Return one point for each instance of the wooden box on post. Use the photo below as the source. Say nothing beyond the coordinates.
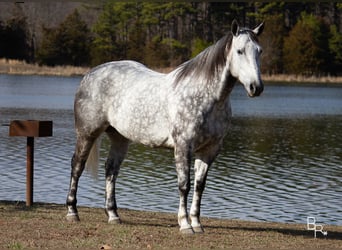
(30, 129)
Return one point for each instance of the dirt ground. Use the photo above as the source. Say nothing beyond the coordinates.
(44, 226)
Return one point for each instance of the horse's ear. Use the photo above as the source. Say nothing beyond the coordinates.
(235, 28)
(258, 30)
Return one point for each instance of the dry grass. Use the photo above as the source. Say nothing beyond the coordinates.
(301, 79)
(44, 226)
(23, 68)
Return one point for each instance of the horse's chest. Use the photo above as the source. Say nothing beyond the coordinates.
(204, 123)
(215, 122)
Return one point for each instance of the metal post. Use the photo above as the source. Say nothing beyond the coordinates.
(29, 171)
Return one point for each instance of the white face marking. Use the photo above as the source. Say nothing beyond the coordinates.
(245, 64)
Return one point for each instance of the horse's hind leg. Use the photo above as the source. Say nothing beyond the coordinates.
(83, 146)
(117, 153)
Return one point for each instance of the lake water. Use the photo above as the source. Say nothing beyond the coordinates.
(282, 159)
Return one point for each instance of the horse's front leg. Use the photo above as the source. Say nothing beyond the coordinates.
(201, 171)
(201, 168)
(183, 161)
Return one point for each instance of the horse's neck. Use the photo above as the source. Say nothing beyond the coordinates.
(223, 84)
(215, 88)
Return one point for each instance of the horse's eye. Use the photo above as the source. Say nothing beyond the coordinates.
(239, 51)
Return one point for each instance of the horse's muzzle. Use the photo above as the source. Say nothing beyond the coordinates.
(255, 89)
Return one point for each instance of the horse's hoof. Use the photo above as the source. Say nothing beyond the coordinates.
(114, 221)
(73, 218)
(198, 230)
(187, 231)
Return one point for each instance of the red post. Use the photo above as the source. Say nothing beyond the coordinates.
(29, 170)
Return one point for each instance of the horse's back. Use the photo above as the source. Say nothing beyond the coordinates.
(117, 73)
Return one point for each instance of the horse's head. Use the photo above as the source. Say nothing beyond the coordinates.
(244, 57)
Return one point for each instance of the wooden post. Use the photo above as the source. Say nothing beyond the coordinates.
(29, 170)
(30, 129)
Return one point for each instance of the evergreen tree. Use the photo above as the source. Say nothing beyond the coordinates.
(112, 31)
(335, 46)
(168, 33)
(198, 45)
(48, 53)
(67, 44)
(148, 32)
(306, 48)
(272, 39)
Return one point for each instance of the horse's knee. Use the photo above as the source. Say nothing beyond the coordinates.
(184, 186)
(199, 186)
(183, 183)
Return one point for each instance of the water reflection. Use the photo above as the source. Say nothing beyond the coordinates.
(278, 161)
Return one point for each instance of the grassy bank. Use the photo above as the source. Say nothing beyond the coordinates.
(44, 226)
(23, 68)
(301, 79)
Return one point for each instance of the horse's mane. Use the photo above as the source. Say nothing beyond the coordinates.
(208, 62)
(211, 60)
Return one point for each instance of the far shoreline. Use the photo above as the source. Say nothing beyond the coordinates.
(16, 67)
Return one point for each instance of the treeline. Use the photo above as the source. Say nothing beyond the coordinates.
(299, 38)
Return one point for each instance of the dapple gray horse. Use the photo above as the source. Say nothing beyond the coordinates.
(187, 110)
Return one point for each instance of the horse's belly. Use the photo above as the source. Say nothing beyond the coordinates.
(148, 135)
(146, 125)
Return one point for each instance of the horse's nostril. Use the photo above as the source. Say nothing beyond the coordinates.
(252, 88)
(255, 90)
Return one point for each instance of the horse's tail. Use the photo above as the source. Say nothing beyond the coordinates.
(92, 163)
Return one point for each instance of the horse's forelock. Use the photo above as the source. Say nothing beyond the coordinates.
(206, 64)
(251, 34)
